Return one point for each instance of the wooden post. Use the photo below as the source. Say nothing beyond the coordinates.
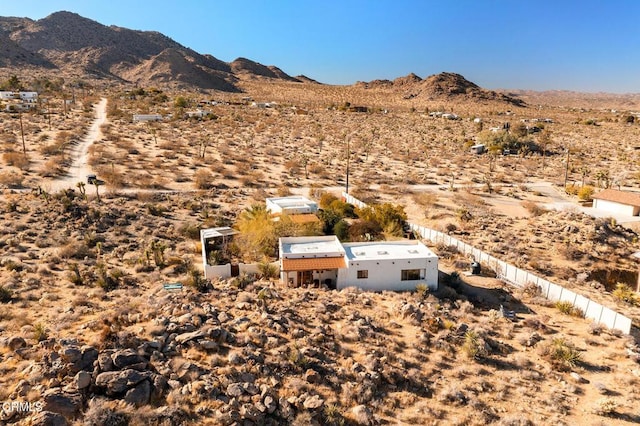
(24, 147)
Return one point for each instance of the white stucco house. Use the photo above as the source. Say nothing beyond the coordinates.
(291, 205)
(375, 266)
(618, 202)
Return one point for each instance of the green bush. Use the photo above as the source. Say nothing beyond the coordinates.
(563, 355)
(586, 193)
(567, 308)
(624, 293)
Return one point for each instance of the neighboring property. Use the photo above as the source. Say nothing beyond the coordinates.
(619, 202)
(146, 117)
(376, 266)
(292, 205)
(478, 149)
(19, 101)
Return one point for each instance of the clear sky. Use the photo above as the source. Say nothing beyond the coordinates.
(585, 45)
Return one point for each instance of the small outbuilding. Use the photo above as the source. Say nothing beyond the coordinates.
(291, 205)
(619, 202)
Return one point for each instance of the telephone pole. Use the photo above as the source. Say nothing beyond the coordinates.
(348, 158)
(566, 171)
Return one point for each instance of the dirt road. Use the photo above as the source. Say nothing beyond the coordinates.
(80, 153)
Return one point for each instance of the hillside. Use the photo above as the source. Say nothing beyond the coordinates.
(445, 86)
(81, 47)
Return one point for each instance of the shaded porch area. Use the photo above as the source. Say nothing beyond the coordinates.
(311, 271)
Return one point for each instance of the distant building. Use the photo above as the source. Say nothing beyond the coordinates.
(146, 117)
(478, 149)
(619, 202)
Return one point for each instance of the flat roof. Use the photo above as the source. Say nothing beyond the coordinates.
(217, 232)
(381, 250)
(290, 201)
(323, 246)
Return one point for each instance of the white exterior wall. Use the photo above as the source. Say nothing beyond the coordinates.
(5, 96)
(614, 207)
(29, 96)
(386, 274)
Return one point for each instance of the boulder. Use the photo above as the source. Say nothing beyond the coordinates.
(119, 381)
(139, 395)
(16, 342)
(48, 418)
(362, 415)
(68, 405)
(82, 380)
(128, 358)
(105, 363)
(313, 402)
(187, 337)
(235, 389)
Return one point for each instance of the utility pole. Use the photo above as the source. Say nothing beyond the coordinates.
(348, 158)
(24, 147)
(566, 171)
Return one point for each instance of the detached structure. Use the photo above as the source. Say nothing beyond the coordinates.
(214, 243)
(375, 266)
(294, 204)
(619, 202)
(299, 209)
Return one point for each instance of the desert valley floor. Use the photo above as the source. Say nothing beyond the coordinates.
(88, 332)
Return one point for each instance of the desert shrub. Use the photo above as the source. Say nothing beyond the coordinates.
(623, 293)
(268, 270)
(561, 354)
(75, 250)
(40, 332)
(197, 281)
(11, 178)
(155, 209)
(474, 346)
(16, 159)
(5, 294)
(422, 290)
(586, 193)
(572, 189)
(533, 208)
(99, 413)
(326, 199)
(567, 308)
(203, 179)
(190, 230)
(605, 407)
(74, 275)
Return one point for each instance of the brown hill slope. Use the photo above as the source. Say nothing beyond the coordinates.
(79, 45)
(444, 86)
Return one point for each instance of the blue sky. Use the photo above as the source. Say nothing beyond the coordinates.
(588, 45)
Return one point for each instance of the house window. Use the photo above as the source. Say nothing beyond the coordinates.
(412, 274)
(363, 274)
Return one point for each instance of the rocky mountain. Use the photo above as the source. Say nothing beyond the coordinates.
(444, 86)
(81, 46)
